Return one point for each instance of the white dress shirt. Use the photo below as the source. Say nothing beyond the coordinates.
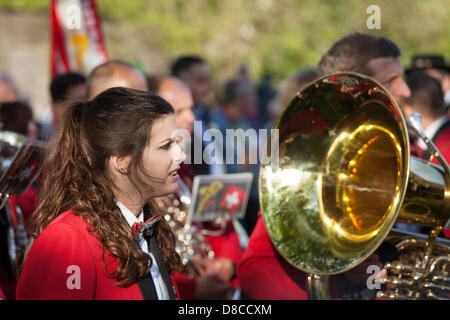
(160, 286)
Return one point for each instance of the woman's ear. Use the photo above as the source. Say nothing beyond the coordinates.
(120, 163)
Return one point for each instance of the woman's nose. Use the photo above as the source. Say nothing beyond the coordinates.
(178, 155)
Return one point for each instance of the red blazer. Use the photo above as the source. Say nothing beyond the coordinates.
(265, 275)
(442, 142)
(64, 252)
(2, 296)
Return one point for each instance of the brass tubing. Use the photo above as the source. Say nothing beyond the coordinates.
(427, 200)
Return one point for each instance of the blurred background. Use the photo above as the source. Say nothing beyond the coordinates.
(269, 37)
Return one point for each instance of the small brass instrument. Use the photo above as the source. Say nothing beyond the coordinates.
(19, 168)
(344, 177)
(410, 276)
(190, 240)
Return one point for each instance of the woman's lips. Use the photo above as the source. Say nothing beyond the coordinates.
(174, 173)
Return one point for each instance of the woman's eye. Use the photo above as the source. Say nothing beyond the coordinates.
(166, 146)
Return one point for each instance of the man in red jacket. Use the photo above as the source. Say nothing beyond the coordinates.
(263, 273)
(427, 99)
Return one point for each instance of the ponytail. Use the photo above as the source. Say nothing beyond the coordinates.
(65, 145)
(70, 128)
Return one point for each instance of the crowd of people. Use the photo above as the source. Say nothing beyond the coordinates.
(112, 155)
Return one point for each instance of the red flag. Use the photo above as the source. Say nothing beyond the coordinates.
(77, 41)
(232, 198)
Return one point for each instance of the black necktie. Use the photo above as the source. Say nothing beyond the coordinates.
(154, 249)
(146, 284)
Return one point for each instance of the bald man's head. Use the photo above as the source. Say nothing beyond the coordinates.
(178, 94)
(115, 74)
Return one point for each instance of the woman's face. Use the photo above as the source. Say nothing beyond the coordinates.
(162, 157)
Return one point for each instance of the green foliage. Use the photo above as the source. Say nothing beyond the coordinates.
(25, 5)
(276, 36)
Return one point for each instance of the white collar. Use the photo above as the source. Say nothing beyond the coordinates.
(431, 130)
(434, 127)
(129, 216)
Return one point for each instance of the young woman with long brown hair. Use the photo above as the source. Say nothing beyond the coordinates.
(112, 155)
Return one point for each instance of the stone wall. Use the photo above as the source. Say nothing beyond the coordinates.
(24, 56)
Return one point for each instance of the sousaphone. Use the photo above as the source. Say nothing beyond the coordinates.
(344, 176)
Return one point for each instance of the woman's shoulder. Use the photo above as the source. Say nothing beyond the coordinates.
(68, 226)
(61, 252)
(69, 218)
(66, 236)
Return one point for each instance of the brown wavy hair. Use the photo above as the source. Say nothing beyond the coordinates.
(75, 175)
